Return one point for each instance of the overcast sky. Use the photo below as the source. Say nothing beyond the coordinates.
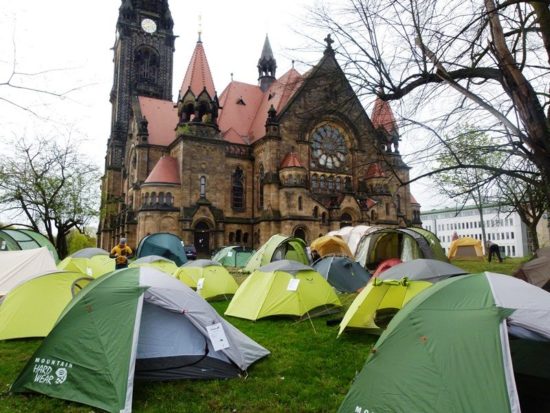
(66, 44)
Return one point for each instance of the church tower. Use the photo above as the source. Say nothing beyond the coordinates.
(143, 65)
(267, 66)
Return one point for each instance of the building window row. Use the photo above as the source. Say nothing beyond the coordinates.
(330, 183)
(490, 223)
(154, 199)
(238, 237)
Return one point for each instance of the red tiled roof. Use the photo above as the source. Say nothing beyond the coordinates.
(198, 75)
(162, 117)
(413, 200)
(382, 116)
(374, 171)
(166, 171)
(371, 202)
(232, 136)
(291, 161)
(278, 95)
(236, 115)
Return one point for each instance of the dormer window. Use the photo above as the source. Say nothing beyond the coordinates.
(240, 101)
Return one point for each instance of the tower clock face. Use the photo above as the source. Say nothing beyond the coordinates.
(148, 26)
(328, 147)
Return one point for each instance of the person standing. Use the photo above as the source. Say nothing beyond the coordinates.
(493, 249)
(121, 253)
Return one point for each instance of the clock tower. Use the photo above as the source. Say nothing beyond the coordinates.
(143, 66)
(143, 57)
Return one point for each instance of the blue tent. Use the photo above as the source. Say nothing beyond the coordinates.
(163, 244)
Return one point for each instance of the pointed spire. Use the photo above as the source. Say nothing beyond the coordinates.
(198, 76)
(382, 117)
(267, 66)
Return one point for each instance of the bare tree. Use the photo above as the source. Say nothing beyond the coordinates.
(481, 61)
(51, 186)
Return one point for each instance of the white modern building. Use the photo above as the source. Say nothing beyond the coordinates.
(501, 227)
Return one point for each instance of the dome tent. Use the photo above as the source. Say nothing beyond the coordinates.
(164, 244)
(278, 247)
(282, 288)
(466, 248)
(209, 277)
(342, 273)
(331, 245)
(111, 334)
(498, 328)
(24, 239)
(422, 269)
(32, 308)
(19, 266)
(92, 262)
(155, 261)
(233, 256)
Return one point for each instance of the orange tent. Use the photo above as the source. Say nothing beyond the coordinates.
(331, 245)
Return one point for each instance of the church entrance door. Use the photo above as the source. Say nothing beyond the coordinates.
(202, 239)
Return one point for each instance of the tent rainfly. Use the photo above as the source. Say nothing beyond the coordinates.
(164, 244)
(24, 239)
(19, 266)
(282, 288)
(92, 262)
(472, 343)
(233, 256)
(331, 245)
(32, 308)
(466, 248)
(209, 277)
(155, 261)
(278, 247)
(342, 273)
(135, 323)
(422, 269)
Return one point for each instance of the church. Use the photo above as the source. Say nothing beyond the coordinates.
(294, 153)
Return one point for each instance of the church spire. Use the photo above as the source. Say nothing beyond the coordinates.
(267, 66)
(198, 76)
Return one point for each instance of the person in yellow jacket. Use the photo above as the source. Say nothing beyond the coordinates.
(121, 253)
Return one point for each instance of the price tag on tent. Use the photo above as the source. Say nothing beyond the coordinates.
(217, 336)
(293, 284)
(200, 284)
(89, 271)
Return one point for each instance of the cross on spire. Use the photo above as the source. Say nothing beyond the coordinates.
(329, 41)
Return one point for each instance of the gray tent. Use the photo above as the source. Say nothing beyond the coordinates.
(536, 272)
(202, 263)
(345, 275)
(89, 253)
(422, 269)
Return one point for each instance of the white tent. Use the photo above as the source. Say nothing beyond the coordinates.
(19, 266)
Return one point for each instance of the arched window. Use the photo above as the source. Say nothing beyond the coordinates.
(169, 199)
(261, 178)
(245, 238)
(324, 218)
(161, 198)
(231, 237)
(322, 183)
(237, 189)
(315, 212)
(347, 185)
(153, 198)
(338, 184)
(373, 215)
(147, 64)
(300, 206)
(314, 183)
(330, 183)
(202, 185)
(145, 200)
(239, 235)
(387, 209)
(398, 202)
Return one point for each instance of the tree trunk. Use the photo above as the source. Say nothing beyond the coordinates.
(533, 238)
(61, 244)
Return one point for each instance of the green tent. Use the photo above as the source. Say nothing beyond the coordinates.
(209, 277)
(473, 343)
(92, 262)
(164, 244)
(278, 247)
(32, 308)
(135, 323)
(380, 300)
(433, 242)
(24, 239)
(282, 288)
(155, 261)
(233, 256)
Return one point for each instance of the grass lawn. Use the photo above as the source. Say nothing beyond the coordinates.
(308, 370)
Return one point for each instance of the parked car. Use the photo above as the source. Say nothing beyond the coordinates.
(190, 252)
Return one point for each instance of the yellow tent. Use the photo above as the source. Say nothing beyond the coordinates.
(155, 261)
(389, 295)
(466, 248)
(210, 278)
(32, 308)
(331, 245)
(282, 288)
(92, 262)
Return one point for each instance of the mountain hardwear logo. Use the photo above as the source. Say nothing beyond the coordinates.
(47, 371)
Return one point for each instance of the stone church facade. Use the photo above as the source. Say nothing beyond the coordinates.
(295, 154)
